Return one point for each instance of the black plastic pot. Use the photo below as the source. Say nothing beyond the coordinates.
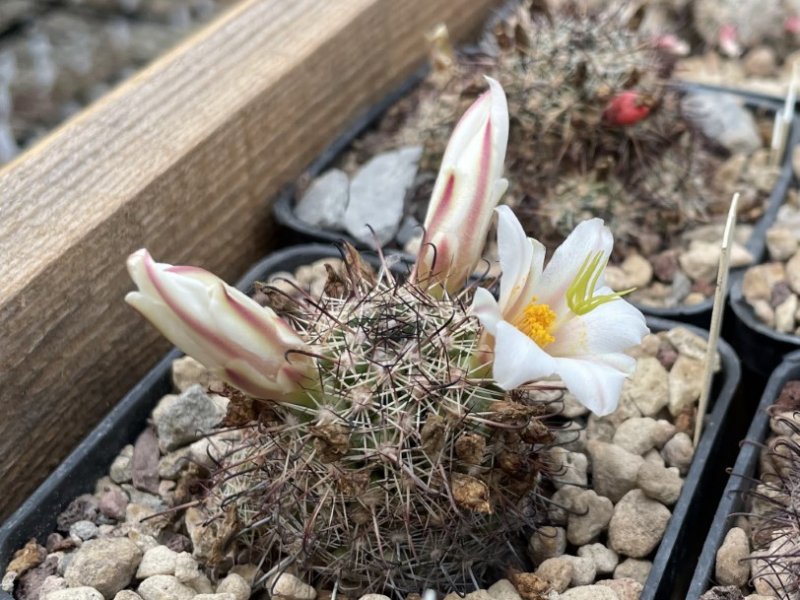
(697, 314)
(742, 477)
(91, 459)
(762, 347)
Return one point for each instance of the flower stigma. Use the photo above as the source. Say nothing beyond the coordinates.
(580, 293)
(537, 321)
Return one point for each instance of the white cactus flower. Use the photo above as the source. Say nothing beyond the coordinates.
(560, 320)
(468, 186)
(238, 340)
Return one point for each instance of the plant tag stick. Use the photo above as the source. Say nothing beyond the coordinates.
(716, 317)
(783, 121)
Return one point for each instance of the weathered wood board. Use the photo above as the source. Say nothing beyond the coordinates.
(182, 159)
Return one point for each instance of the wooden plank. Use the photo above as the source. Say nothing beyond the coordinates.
(181, 159)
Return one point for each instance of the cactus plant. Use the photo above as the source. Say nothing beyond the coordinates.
(404, 439)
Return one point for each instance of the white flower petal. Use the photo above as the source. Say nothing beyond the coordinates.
(517, 358)
(485, 307)
(219, 326)
(173, 329)
(521, 261)
(586, 239)
(595, 385)
(611, 327)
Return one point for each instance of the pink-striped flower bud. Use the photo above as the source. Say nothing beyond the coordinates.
(467, 189)
(238, 340)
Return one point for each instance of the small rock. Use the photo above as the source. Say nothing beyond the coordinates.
(558, 572)
(120, 471)
(74, 593)
(186, 372)
(625, 589)
(325, 201)
(685, 383)
(659, 483)
(732, 567)
(605, 559)
(633, 568)
(570, 468)
(201, 585)
(583, 570)
(186, 567)
(589, 517)
(478, 595)
(529, 585)
(113, 504)
(7, 583)
(642, 434)
(764, 312)
(654, 458)
(780, 292)
(647, 387)
(784, 315)
(83, 530)
(164, 587)
(730, 592)
(694, 298)
(793, 272)
(637, 525)
(701, 261)
(678, 452)
(144, 464)
(289, 587)
(183, 419)
(547, 542)
(758, 281)
(223, 596)
(634, 272)
(600, 428)
(614, 470)
(106, 564)
(377, 195)
(502, 590)
(29, 556)
(723, 119)
(157, 561)
(589, 592)
(782, 243)
(52, 583)
(687, 342)
(561, 502)
(665, 265)
(236, 585)
(127, 595)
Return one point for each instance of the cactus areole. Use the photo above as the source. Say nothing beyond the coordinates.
(403, 442)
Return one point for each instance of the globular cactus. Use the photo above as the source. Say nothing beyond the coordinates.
(404, 441)
(775, 517)
(406, 468)
(587, 100)
(576, 83)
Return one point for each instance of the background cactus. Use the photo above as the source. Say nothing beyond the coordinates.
(775, 518)
(405, 469)
(593, 122)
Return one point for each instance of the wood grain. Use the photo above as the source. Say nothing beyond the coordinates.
(181, 159)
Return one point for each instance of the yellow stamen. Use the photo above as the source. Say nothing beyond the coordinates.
(580, 293)
(536, 322)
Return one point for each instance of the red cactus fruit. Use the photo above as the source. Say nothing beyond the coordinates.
(626, 108)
